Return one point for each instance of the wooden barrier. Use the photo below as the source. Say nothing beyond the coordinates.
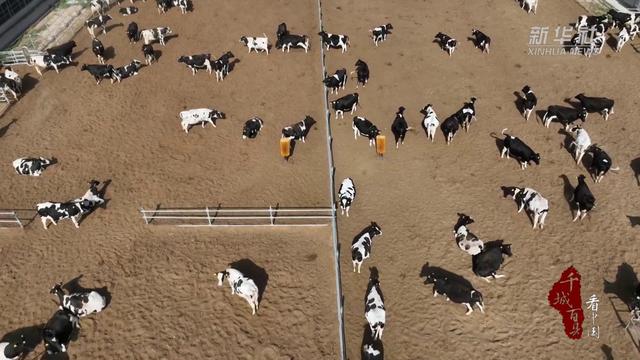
(381, 144)
(285, 147)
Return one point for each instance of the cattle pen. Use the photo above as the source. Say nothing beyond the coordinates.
(9, 217)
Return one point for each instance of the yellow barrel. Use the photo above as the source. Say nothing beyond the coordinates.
(381, 144)
(285, 147)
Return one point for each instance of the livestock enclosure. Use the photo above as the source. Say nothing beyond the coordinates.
(165, 303)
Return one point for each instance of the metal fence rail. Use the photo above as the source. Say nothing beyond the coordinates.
(18, 57)
(216, 216)
(10, 217)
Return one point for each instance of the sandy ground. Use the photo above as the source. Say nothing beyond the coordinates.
(415, 192)
(165, 305)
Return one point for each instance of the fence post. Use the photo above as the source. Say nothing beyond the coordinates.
(208, 216)
(18, 220)
(271, 214)
(144, 216)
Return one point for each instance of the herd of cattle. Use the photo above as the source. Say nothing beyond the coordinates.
(487, 258)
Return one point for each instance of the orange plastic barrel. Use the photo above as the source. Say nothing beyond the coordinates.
(285, 147)
(381, 144)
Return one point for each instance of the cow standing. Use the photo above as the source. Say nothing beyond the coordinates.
(98, 50)
(362, 71)
(48, 62)
(380, 33)
(156, 34)
(334, 41)
(600, 164)
(79, 304)
(582, 142)
(531, 200)
(374, 310)
(197, 62)
(336, 81)
(363, 127)
(58, 331)
(221, 65)
(149, 54)
(591, 104)
(400, 127)
(346, 103)
(583, 199)
(132, 32)
(347, 194)
(519, 150)
(482, 41)
(300, 130)
(362, 245)
(242, 286)
(529, 102)
(430, 122)
(193, 117)
(74, 209)
(97, 22)
(447, 43)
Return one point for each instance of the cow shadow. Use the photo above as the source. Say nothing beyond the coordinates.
(498, 141)
(113, 26)
(169, 37)
(634, 220)
(607, 351)
(58, 356)
(232, 64)
(32, 336)
(249, 269)
(109, 53)
(568, 191)
(624, 286)
(157, 54)
(574, 104)
(634, 164)
(374, 273)
(292, 147)
(519, 102)
(78, 53)
(73, 286)
(567, 141)
(28, 83)
(440, 273)
(612, 41)
(4, 129)
(367, 339)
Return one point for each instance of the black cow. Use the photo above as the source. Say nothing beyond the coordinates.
(128, 70)
(362, 70)
(149, 54)
(98, 50)
(97, 22)
(287, 41)
(583, 198)
(400, 127)
(132, 32)
(600, 164)
(450, 127)
(336, 81)
(334, 40)
(482, 41)
(467, 113)
(282, 30)
(519, 150)
(128, 11)
(58, 330)
(252, 128)
(62, 50)
(100, 71)
(595, 104)
(197, 62)
(455, 288)
(565, 115)
(619, 18)
(163, 5)
(529, 101)
(346, 103)
(300, 130)
(589, 21)
(221, 66)
(488, 261)
(363, 127)
(447, 43)
(379, 33)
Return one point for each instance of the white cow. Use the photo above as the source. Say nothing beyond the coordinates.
(199, 116)
(532, 5)
(430, 121)
(347, 194)
(582, 142)
(256, 43)
(79, 304)
(532, 201)
(623, 37)
(156, 34)
(48, 61)
(241, 286)
(374, 310)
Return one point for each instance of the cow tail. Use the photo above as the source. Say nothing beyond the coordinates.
(503, 130)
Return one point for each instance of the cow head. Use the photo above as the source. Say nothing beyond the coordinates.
(282, 30)
(345, 202)
(215, 114)
(506, 249)
(388, 27)
(360, 63)
(510, 191)
(221, 276)
(375, 229)
(463, 220)
(243, 39)
(536, 158)
(476, 296)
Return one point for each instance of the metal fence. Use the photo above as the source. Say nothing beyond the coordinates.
(18, 57)
(216, 216)
(10, 218)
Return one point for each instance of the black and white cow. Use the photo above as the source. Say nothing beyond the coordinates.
(288, 41)
(300, 130)
(623, 38)
(79, 304)
(58, 330)
(532, 5)
(242, 286)
(372, 351)
(128, 70)
(334, 41)
(466, 240)
(600, 164)
(590, 21)
(596, 45)
(457, 290)
(430, 122)
(163, 6)
(203, 116)
(197, 62)
(487, 263)
(221, 65)
(531, 200)
(348, 102)
(97, 22)
(380, 33)
(31, 166)
(252, 128)
(374, 310)
(282, 30)
(362, 71)
(564, 115)
(182, 4)
(400, 127)
(48, 62)
(620, 19)
(99, 7)
(74, 209)
(600, 105)
(62, 50)
(256, 43)
(347, 195)
(10, 86)
(101, 71)
(14, 350)
(98, 50)
(363, 127)
(130, 10)
(149, 54)
(157, 34)
(362, 243)
(336, 81)
(529, 101)
(450, 127)
(467, 114)
(582, 142)
(482, 41)
(132, 32)
(583, 198)
(515, 147)
(447, 43)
